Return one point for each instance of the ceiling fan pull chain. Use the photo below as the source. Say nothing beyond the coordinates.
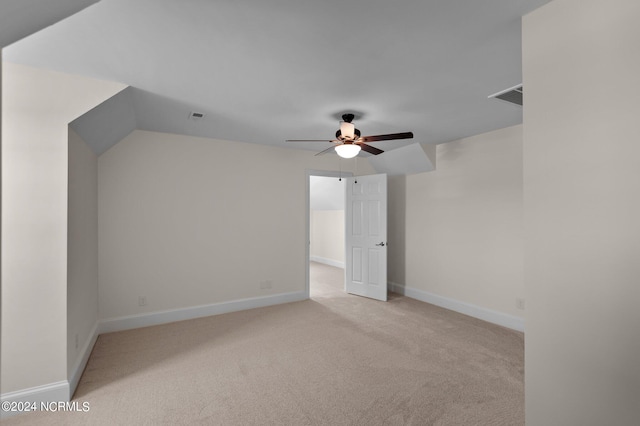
(340, 169)
(356, 171)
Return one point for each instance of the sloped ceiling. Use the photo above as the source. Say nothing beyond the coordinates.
(20, 18)
(266, 71)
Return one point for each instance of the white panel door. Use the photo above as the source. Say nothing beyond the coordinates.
(366, 236)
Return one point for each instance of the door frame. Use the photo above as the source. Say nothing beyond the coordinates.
(307, 244)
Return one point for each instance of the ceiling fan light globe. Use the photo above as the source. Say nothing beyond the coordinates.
(347, 150)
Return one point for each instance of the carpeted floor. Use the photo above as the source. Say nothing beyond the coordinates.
(336, 359)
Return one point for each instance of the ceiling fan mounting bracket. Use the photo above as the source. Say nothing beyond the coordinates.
(348, 117)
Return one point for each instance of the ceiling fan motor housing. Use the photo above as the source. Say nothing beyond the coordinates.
(356, 133)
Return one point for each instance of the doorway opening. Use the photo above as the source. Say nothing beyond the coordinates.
(325, 223)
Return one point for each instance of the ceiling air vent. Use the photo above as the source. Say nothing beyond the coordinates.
(513, 95)
(196, 115)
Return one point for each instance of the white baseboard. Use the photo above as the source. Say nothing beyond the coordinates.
(499, 318)
(154, 318)
(326, 261)
(81, 363)
(63, 391)
(52, 392)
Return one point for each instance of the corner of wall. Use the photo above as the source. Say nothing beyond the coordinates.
(431, 151)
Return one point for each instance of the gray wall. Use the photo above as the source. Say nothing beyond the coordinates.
(82, 252)
(34, 219)
(463, 221)
(581, 206)
(187, 221)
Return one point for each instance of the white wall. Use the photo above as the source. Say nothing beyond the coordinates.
(581, 62)
(82, 261)
(327, 237)
(188, 221)
(326, 220)
(19, 18)
(464, 237)
(397, 228)
(37, 106)
(326, 193)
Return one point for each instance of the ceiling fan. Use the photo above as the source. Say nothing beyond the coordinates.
(348, 141)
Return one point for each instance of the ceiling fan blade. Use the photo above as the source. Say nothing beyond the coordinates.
(308, 140)
(325, 151)
(370, 149)
(391, 136)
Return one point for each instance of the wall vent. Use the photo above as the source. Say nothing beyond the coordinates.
(513, 95)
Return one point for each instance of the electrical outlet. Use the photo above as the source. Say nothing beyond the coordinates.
(142, 300)
(520, 304)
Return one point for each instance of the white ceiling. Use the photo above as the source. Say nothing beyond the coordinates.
(266, 71)
(20, 18)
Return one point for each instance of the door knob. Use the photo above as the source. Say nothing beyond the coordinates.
(381, 244)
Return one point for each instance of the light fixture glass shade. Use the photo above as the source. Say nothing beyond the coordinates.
(348, 150)
(346, 130)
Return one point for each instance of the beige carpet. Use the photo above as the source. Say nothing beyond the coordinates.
(334, 360)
